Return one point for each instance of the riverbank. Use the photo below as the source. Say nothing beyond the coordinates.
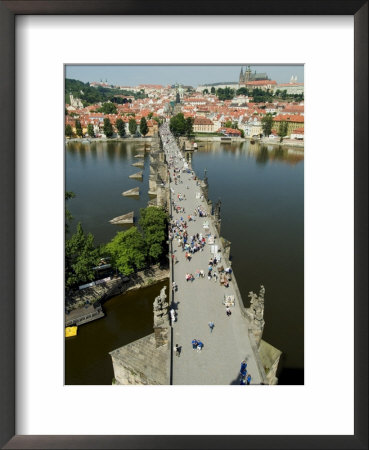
(115, 139)
(232, 139)
(79, 299)
(285, 143)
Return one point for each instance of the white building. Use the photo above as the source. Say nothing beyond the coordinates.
(293, 87)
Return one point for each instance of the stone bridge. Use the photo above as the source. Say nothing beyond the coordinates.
(234, 338)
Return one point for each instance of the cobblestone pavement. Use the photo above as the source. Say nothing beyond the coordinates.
(201, 301)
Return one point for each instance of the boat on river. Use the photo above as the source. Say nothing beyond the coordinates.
(71, 331)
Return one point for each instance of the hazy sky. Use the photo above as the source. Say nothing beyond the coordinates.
(187, 75)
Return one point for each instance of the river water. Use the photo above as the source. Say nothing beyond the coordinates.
(262, 193)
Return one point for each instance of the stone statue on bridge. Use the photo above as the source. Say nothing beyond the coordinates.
(217, 215)
(256, 310)
(160, 308)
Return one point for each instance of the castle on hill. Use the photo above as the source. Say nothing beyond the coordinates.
(248, 75)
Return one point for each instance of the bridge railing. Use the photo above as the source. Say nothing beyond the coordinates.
(259, 364)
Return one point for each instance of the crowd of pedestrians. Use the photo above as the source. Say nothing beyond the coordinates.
(187, 245)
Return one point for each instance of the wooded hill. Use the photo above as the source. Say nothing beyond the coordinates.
(91, 95)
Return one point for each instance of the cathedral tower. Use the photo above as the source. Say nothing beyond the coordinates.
(241, 79)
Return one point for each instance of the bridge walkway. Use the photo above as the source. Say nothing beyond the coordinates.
(201, 301)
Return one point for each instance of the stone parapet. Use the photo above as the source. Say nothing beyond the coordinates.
(269, 357)
(142, 363)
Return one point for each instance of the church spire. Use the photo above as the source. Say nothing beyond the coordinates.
(241, 79)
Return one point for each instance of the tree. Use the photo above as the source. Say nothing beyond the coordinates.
(108, 108)
(242, 133)
(68, 131)
(80, 258)
(225, 94)
(90, 130)
(153, 222)
(205, 91)
(68, 215)
(149, 116)
(189, 126)
(108, 128)
(127, 250)
(132, 126)
(144, 129)
(79, 131)
(228, 124)
(121, 127)
(242, 91)
(178, 125)
(267, 124)
(212, 90)
(284, 94)
(283, 128)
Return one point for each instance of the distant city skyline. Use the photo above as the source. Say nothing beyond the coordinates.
(192, 75)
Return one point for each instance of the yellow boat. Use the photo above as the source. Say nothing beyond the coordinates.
(71, 331)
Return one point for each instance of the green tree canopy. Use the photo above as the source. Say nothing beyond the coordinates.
(68, 214)
(127, 250)
(283, 129)
(90, 130)
(108, 128)
(92, 95)
(205, 91)
(144, 129)
(242, 91)
(212, 90)
(225, 94)
(189, 126)
(132, 126)
(79, 131)
(108, 108)
(153, 222)
(121, 127)
(80, 258)
(178, 125)
(68, 131)
(267, 124)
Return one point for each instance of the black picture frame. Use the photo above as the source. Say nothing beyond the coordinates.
(8, 11)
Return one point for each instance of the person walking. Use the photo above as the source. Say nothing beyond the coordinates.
(177, 349)
(199, 346)
(243, 366)
(211, 326)
(248, 380)
(194, 344)
(228, 312)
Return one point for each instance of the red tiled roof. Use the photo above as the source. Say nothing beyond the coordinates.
(202, 121)
(260, 82)
(289, 118)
